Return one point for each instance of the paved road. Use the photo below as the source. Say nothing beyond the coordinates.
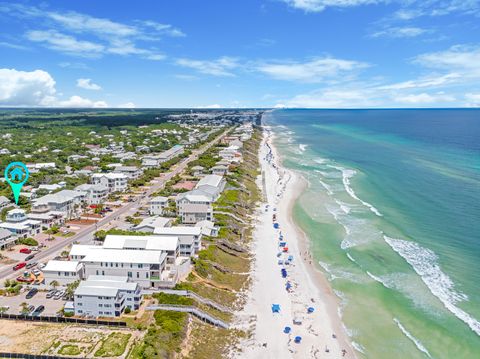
(85, 234)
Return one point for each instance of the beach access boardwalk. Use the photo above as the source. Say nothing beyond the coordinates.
(188, 293)
(192, 310)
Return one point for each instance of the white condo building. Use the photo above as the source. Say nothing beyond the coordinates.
(115, 182)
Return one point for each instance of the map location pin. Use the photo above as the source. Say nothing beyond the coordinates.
(16, 174)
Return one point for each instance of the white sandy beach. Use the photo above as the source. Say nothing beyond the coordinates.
(323, 335)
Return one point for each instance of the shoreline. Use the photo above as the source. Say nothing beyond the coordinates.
(322, 332)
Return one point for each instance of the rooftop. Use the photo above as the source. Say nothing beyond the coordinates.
(101, 254)
(154, 243)
(61, 266)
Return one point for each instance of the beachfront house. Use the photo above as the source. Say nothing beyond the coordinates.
(190, 238)
(211, 184)
(63, 272)
(150, 223)
(194, 206)
(106, 296)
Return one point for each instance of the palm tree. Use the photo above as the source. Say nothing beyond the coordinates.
(54, 284)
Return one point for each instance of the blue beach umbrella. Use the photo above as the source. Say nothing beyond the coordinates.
(287, 330)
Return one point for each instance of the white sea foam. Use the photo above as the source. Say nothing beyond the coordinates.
(378, 279)
(350, 257)
(415, 341)
(320, 161)
(346, 175)
(302, 147)
(343, 206)
(424, 262)
(358, 347)
(327, 188)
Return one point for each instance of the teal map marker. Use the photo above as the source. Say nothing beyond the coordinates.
(16, 174)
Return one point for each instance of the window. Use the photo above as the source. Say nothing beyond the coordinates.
(79, 304)
(97, 272)
(129, 274)
(80, 311)
(138, 275)
(140, 265)
(100, 305)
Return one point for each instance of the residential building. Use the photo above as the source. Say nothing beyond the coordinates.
(194, 206)
(132, 172)
(190, 238)
(48, 218)
(208, 228)
(212, 184)
(66, 201)
(116, 182)
(150, 223)
(144, 267)
(219, 170)
(155, 160)
(157, 205)
(20, 225)
(63, 272)
(6, 238)
(79, 251)
(197, 171)
(106, 296)
(95, 193)
(4, 202)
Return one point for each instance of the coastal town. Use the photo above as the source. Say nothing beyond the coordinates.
(118, 221)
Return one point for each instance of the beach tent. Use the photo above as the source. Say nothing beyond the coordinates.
(284, 273)
(280, 261)
(279, 254)
(310, 309)
(283, 244)
(285, 249)
(275, 308)
(287, 330)
(276, 225)
(288, 286)
(298, 339)
(297, 321)
(290, 258)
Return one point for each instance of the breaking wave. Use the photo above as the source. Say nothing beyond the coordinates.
(424, 263)
(415, 341)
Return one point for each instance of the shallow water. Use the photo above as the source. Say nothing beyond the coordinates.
(392, 212)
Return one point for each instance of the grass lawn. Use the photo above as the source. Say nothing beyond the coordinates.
(114, 345)
(69, 349)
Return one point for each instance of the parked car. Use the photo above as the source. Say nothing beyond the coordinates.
(24, 279)
(29, 257)
(31, 293)
(31, 308)
(59, 294)
(25, 251)
(36, 272)
(38, 310)
(31, 265)
(41, 265)
(19, 265)
(51, 293)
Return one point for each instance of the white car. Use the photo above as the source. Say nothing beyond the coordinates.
(59, 294)
(41, 265)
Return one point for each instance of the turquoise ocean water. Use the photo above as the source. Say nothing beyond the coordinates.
(393, 215)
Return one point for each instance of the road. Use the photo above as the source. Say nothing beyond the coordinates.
(85, 234)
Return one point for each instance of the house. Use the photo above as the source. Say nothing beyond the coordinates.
(115, 182)
(167, 244)
(157, 205)
(194, 206)
(144, 267)
(208, 228)
(156, 160)
(50, 187)
(106, 296)
(20, 225)
(212, 184)
(66, 201)
(150, 223)
(4, 202)
(6, 238)
(197, 171)
(79, 251)
(132, 172)
(190, 238)
(219, 170)
(95, 193)
(48, 218)
(63, 272)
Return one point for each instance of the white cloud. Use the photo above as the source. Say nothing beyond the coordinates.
(424, 98)
(401, 32)
(36, 88)
(424, 82)
(127, 105)
(104, 35)
(473, 99)
(459, 58)
(24, 88)
(334, 98)
(316, 70)
(222, 66)
(87, 84)
(320, 5)
(80, 102)
(65, 43)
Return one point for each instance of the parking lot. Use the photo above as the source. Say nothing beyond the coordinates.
(52, 306)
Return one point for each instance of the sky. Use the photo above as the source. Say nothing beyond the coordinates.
(243, 53)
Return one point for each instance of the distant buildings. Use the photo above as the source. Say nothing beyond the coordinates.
(95, 193)
(157, 205)
(155, 160)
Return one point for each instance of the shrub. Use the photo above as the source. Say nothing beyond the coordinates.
(28, 241)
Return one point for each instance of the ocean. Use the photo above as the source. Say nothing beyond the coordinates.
(392, 212)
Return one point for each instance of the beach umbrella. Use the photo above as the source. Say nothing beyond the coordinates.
(287, 330)
(310, 309)
(275, 308)
(298, 339)
(288, 286)
(290, 258)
